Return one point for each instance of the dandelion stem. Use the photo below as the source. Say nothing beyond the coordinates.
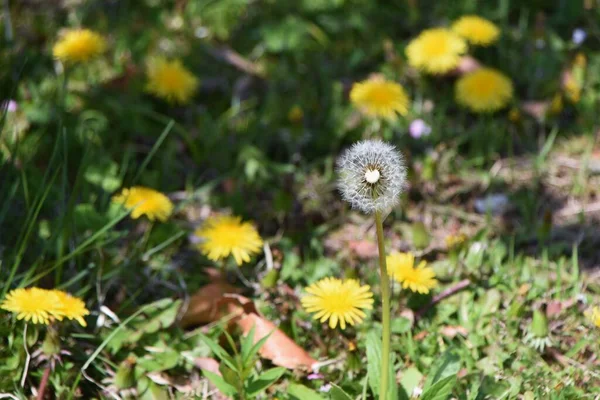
(385, 312)
(26, 368)
(44, 383)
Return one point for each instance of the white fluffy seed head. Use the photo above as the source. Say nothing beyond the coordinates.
(371, 176)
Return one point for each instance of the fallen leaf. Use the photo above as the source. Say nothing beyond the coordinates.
(278, 348)
(462, 373)
(555, 307)
(218, 299)
(208, 364)
(524, 289)
(450, 331)
(365, 249)
(122, 81)
(467, 64)
(409, 315)
(537, 109)
(205, 305)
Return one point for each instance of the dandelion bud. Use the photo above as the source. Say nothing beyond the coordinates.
(371, 176)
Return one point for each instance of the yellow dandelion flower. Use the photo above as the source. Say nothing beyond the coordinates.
(514, 115)
(170, 80)
(296, 114)
(145, 201)
(37, 305)
(79, 46)
(572, 89)
(225, 235)
(593, 315)
(338, 301)
(401, 267)
(484, 90)
(436, 51)
(580, 60)
(476, 30)
(71, 307)
(380, 98)
(556, 105)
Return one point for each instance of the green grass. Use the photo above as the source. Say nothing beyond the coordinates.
(80, 135)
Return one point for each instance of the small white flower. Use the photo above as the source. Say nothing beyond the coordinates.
(579, 36)
(419, 128)
(325, 388)
(371, 176)
(10, 106)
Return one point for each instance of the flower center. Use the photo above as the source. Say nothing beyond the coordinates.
(435, 47)
(372, 176)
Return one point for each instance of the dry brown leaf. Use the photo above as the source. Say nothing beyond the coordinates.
(467, 64)
(555, 307)
(205, 305)
(365, 249)
(278, 348)
(217, 299)
(121, 82)
(450, 331)
(209, 364)
(537, 109)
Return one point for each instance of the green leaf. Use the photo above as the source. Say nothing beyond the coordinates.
(231, 377)
(289, 34)
(86, 217)
(220, 352)
(445, 366)
(374, 365)
(410, 379)
(247, 343)
(373, 343)
(301, 392)
(159, 361)
(153, 392)
(400, 325)
(220, 383)
(441, 390)
(337, 393)
(264, 380)
(103, 173)
(257, 346)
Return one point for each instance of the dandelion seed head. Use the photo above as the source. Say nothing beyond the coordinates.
(372, 176)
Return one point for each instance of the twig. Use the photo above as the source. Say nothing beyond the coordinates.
(580, 208)
(455, 212)
(593, 167)
(235, 59)
(44, 383)
(441, 296)
(566, 361)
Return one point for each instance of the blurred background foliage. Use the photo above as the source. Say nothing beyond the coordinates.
(263, 131)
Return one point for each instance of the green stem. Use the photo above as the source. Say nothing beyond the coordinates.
(385, 312)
